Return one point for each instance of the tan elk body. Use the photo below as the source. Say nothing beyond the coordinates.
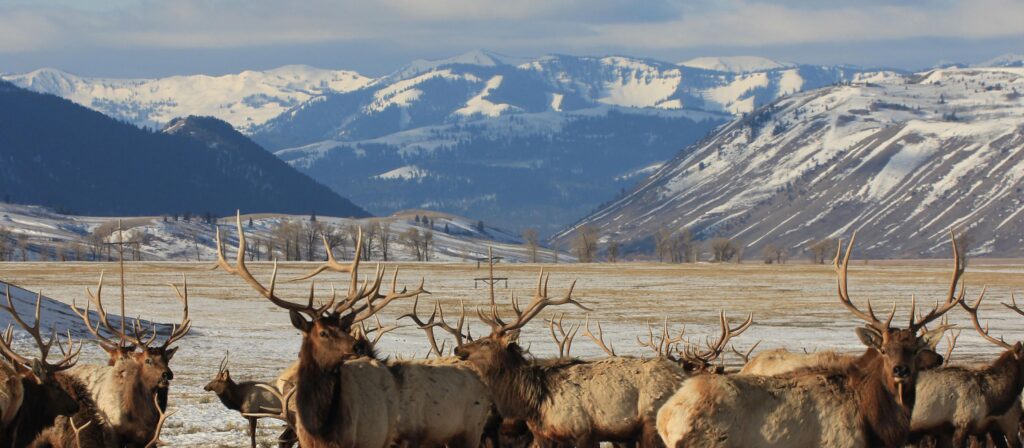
(779, 361)
(866, 402)
(11, 394)
(974, 401)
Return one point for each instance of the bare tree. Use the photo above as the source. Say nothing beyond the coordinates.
(532, 239)
(78, 250)
(311, 232)
(663, 244)
(334, 237)
(5, 244)
(22, 242)
(369, 241)
(965, 241)
(613, 251)
(585, 244)
(822, 250)
(723, 249)
(414, 240)
(384, 238)
(768, 253)
(428, 244)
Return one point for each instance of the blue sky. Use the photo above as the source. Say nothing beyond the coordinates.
(156, 38)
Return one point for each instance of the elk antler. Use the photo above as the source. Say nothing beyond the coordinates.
(223, 363)
(973, 311)
(844, 295)
(599, 339)
(537, 304)
(108, 344)
(952, 298)
(179, 331)
(714, 350)
(663, 344)
(70, 355)
(243, 272)
(78, 431)
(437, 320)
(564, 342)
(379, 328)
(155, 442)
(744, 356)
(281, 413)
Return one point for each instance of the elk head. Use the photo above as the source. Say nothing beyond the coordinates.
(327, 330)
(38, 373)
(902, 352)
(222, 381)
(500, 349)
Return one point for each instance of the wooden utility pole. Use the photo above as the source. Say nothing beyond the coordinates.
(121, 243)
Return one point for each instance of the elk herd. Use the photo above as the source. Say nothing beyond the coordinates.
(490, 391)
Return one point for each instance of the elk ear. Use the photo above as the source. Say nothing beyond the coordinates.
(300, 323)
(345, 322)
(932, 338)
(169, 353)
(870, 337)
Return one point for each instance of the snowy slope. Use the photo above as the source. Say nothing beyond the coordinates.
(49, 235)
(244, 99)
(736, 64)
(902, 157)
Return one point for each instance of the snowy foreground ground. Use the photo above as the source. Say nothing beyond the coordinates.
(794, 306)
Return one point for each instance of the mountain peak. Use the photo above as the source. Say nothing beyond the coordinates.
(480, 58)
(736, 64)
(1005, 60)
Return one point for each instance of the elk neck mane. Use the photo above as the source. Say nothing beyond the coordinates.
(317, 392)
(1005, 380)
(519, 385)
(887, 422)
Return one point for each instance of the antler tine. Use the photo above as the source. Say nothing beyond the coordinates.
(334, 266)
(97, 299)
(155, 442)
(179, 331)
(224, 362)
(725, 334)
(370, 308)
(34, 331)
(427, 327)
(844, 294)
(78, 430)
(540, 301)
(1014, 306)
(951, 338)
(952, 298)
(973, 312)
(380, 329)
(599, 340)
(282, 413)
(745, 356)
(240, 270)
(105, 342)
(564, 342)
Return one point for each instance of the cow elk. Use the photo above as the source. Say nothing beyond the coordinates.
(42, 396)
(568, 401)
(866, 402)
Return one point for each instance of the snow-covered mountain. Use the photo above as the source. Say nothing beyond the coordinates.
(902, 158)
(524, 142)
(533, 143)
(244, 99)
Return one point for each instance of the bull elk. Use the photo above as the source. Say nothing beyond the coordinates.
(136, 370)
(40, 392)
(569, 401)
(865, 402)
(973, 402)
(344, 398)
(246, 397)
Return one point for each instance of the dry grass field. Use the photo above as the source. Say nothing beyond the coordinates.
(794, 306)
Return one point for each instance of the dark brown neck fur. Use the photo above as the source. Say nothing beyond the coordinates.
(518, 386)
(1002, 382)
(886, 422)
(317, 394)
(139, 410)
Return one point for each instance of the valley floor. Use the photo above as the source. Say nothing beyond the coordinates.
(794, 306)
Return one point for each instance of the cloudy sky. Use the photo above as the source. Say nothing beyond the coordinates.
(155, 38)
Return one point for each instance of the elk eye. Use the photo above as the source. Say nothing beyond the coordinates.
(323, 334)
(149, 361)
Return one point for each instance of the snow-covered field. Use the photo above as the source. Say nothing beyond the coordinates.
(794, 306)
